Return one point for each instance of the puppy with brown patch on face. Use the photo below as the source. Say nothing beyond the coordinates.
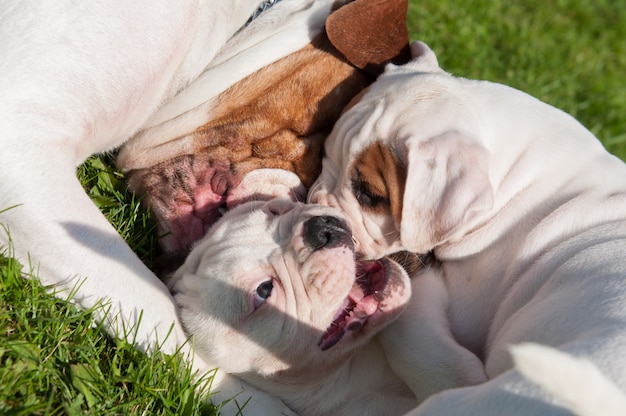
(274, 295)
(524, 212)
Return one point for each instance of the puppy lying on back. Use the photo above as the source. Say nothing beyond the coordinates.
(524, 212)
(274, 295)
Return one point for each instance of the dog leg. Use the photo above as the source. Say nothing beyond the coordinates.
(513, 394)
(76, 85)
(420, 348)
(54, 226)
(79, 79)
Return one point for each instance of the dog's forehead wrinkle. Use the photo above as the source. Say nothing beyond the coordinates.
(380, 121)
(281, 266)
(416, 92)
(355, 122)
(297, 295)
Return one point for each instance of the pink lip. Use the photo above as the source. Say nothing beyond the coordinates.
(362, 302)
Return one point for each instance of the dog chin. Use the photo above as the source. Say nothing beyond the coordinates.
(379, 294)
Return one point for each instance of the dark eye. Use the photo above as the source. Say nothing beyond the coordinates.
(364, 195)
(263, 291)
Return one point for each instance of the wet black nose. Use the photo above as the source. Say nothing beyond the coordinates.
(326, 231)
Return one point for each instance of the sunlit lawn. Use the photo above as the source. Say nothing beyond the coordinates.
(569, 53)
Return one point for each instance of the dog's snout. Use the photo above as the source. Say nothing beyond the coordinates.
(326, 231)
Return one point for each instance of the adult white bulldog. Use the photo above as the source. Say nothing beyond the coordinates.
(273, 294)
(79, 78)
(282, 83)
(525, 213)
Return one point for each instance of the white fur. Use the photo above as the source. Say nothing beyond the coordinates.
(79, 78)
(275, 346)
(576, 382)
(240, 57)
(525, 213)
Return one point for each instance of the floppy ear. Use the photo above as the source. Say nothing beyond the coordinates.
(371, 33)
(447, 190)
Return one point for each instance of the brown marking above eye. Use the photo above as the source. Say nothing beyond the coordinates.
(378, 180)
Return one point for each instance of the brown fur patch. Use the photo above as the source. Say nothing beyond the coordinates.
(280, 115)
(378, 180)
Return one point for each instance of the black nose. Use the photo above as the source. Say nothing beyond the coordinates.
(326, 231)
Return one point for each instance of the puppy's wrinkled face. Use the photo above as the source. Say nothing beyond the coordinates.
(364, 173)
(274, 289)
(401, 163)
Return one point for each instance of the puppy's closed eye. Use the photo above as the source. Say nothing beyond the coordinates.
(378, 180)
(366, 195)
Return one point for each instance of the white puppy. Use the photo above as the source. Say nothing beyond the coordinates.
(524, 211)
(273, 294)
(79, 78)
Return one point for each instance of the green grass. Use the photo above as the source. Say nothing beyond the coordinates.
(54, 361)
(569, 53)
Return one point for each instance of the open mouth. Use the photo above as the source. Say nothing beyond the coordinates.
(362, 302)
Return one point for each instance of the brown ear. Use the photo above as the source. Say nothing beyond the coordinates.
(371, 33)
